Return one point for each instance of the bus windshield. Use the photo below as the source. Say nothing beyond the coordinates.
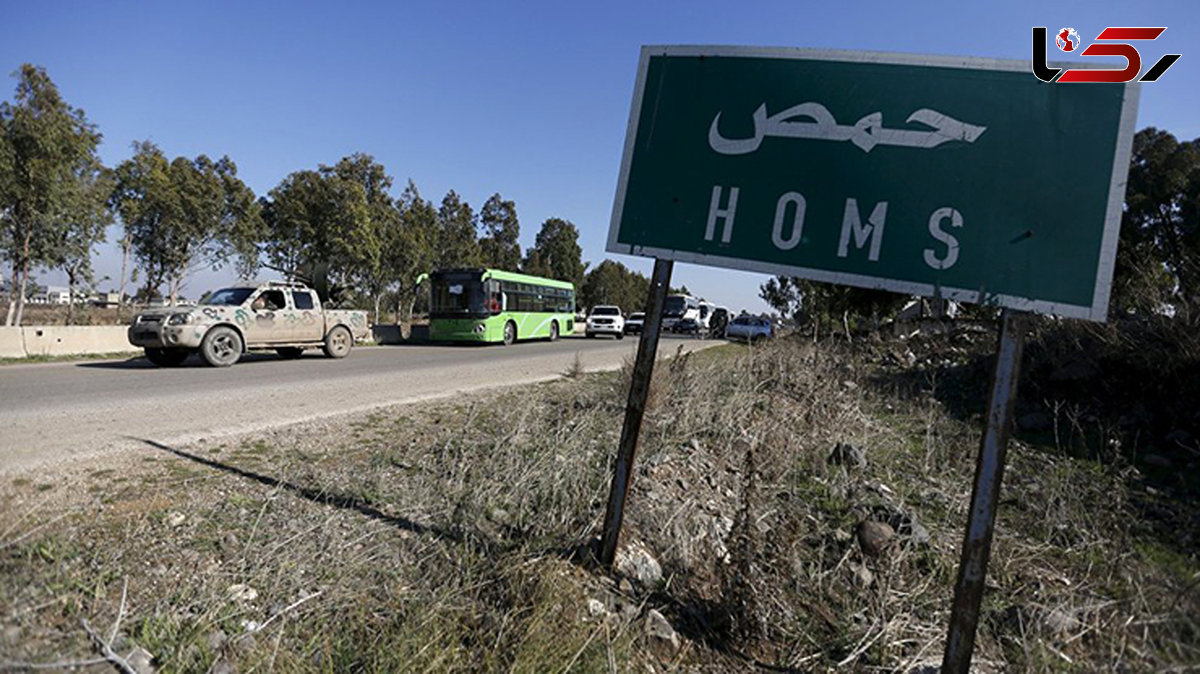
(677, 305)
(457, 295)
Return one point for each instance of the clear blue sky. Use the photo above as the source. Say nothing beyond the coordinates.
(528, 99)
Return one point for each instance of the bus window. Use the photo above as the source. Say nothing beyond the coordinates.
(495, 299)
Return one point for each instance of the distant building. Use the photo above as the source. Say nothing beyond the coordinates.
(52, 295)
(105, 299)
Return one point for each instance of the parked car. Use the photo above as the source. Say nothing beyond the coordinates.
(634, 323)
(606, 320)
(749, 329)
(687, 326)
(284, 316)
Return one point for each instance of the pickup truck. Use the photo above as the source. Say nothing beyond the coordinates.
(280, 315)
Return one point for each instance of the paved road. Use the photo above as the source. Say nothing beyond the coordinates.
(50, 413)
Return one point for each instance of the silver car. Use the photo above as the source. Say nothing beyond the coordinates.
(749, 329)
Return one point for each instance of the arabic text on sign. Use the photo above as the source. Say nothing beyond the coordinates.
(867, 133)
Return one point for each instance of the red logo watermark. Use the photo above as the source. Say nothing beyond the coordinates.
(1068, 40)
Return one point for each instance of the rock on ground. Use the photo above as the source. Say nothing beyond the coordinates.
(875, 538)
(636, 562)
(659, 628)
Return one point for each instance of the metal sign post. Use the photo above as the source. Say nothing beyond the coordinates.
(635, 409)
(977, 545)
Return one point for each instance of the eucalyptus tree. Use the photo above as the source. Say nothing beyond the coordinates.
(183, 214)
(84, 222)
(454, 243)
(382, 230)
(611, 282)
(334, 216)
(47, 163)
(410, 252)
(498, 246)
(556, 252)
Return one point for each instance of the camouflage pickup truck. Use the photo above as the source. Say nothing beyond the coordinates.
(284, 316)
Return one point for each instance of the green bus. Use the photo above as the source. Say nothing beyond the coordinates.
(490, 305)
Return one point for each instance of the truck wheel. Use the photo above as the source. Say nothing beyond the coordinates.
(553, 330)
(620, 335)
(289, 352)
(510, 333)
(221, 347)
(166, 357)
(338, 342)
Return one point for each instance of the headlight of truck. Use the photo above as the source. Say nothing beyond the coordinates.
(179, 319)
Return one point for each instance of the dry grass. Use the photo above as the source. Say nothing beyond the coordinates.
(450, 536)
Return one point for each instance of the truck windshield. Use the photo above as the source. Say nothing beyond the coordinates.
(606, 311)
(457, 295)
(228, 297)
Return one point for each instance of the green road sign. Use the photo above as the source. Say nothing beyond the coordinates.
(964, 178)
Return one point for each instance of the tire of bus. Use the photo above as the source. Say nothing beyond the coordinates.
(553, 331)
(338, 342)
(510, 333)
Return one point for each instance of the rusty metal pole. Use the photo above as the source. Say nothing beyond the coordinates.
(635, 409)
(989, 471)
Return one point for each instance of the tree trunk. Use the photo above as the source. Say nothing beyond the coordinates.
(125, 243)
(175, 281)
(412, 302)
(378, 299)
(21, 295)
(24, 282)
(70, 297)
(12, 297)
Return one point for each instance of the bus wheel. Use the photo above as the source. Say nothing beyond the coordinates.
(553, 330)
(510, 333)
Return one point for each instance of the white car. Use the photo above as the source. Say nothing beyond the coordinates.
(606, 320)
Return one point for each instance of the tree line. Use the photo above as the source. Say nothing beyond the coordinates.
(181, 214)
